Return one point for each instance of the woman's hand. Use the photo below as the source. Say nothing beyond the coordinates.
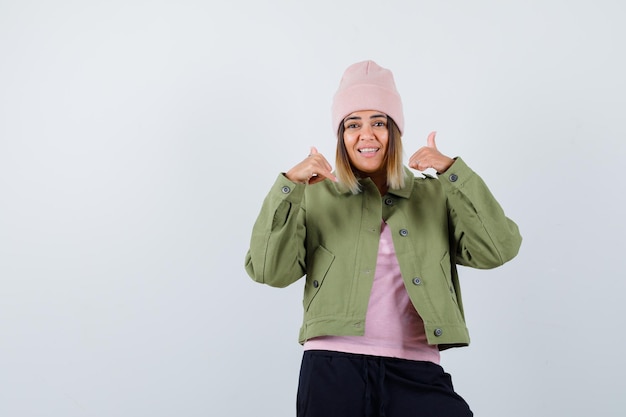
(430, 157)
(313, 169)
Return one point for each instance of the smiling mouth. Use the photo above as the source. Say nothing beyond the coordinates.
(368, 150)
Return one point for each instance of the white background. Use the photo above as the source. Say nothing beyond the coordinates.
(138, 139)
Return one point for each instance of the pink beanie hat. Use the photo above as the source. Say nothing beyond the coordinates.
(367, 86)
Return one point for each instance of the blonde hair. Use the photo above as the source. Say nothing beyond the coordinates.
(393, 160)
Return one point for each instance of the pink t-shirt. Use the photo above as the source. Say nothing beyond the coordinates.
(393, 328)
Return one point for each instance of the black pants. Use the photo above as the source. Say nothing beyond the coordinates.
(334, 384)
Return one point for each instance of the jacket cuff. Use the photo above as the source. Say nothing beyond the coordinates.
(457, 175)
(285, 189)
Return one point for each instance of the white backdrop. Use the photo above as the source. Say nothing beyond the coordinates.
(138, 139)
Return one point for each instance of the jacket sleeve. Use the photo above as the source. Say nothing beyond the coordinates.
(277, 246)
(481, 235)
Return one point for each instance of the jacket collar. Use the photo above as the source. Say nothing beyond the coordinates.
(404, 192)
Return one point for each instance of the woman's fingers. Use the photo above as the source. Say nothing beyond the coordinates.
(313, 169)
(430, 157)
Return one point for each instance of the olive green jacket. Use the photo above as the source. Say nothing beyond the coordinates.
(330, 235)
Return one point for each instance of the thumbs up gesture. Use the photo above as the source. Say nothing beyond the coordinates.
(430, 157)
(313, 169)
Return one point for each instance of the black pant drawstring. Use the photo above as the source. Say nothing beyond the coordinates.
(382, 391)
(368, 388)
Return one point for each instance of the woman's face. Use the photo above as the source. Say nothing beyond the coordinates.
(366, 137)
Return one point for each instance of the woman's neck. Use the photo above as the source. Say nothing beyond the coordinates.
(382, 188)
(380, 180)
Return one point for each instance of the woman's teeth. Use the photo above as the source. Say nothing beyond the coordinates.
(368, 150)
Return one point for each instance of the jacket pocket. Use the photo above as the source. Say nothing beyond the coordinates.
(447, 273)
(317, 269)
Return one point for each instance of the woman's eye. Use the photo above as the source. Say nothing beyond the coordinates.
(351, 126)
(379, 124)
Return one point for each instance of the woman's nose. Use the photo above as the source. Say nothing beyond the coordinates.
(366, 132)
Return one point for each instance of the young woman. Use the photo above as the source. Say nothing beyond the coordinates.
(379, 248)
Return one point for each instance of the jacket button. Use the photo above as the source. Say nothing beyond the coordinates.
(389, 201)
(417, 281)
(453, 177)
(286, 190)
(315, 284)
(404, 232)
(438, 332)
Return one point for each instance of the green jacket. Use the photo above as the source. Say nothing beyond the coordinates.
(330, 235)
